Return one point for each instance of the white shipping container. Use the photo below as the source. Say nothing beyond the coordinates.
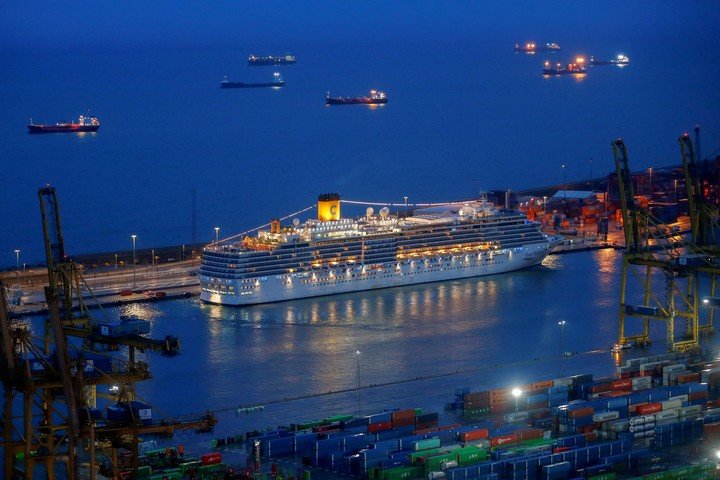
(605, 416)
(667, 414)
(690, 411)
(678, 367)
(671, 404)
(682, 398)
(642, 380)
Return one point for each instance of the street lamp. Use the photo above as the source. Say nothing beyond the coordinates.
(134, 237)
(562, 353)
(17, 262)
(651, 189)
(116, 264)
(516, 392)
(406, 205)
(544, 205)
(217, 238)
(357, 356)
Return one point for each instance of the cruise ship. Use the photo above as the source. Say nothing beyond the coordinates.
(331, 255)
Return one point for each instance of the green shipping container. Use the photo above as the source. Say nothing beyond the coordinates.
(144, 472)
(422, 454)
(433, 464)
(426, 444)
(402, 473)
(604, 476)
(338, 418)
(466, 457)
(418, 411)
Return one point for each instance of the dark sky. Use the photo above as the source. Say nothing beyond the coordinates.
(65, 25)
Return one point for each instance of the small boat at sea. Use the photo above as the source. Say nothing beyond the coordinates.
(576, 68)
(376, 97)
(276, 83)
(531, 47)
(620, 61)
(83, 124)
(255, 61)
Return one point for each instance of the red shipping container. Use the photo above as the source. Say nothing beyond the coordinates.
(580, 412)
(648, 408)
(448, 427)
(500, 407)
(591, 436)
(529, 434)
(622, 384)
(602, 387)
(620, 393)
(403, 422)
(697, 396)
(503, 440)
(211, 458)
(474, 435)
(379, 427)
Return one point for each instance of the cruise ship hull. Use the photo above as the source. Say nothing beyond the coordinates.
(348, 279)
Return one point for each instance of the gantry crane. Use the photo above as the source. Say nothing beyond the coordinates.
(704, 222)
(654, 254)
(54, 385)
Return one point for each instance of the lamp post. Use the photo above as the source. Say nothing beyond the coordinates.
(152, 260)
(544, 205)
(406, 206)
(116, 264)
(651, 189)
(134, 237)
(217, 238)
(516, 392)
(562, 352)
(357, 356)
(17, 262)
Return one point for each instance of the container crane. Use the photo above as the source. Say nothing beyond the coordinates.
(653, 253)
(51, 385)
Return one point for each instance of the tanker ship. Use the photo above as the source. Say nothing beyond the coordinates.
(330, 254)
(84, 124)
(376, 98)
(576, 68)
(276, 83)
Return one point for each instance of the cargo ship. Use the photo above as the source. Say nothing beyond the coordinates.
(531, 47)
(576, 68)
(276, 83)
(254, 61)
(620, 61)
(330, 254)
(84, 124)
(376, 98)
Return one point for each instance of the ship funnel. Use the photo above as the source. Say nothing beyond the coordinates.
(275, 225)
(328, 207)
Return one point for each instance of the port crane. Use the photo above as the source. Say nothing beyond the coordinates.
(49, 414)
(653, 252)
(704, 220)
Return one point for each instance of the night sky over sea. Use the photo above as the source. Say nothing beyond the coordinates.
(465, 113)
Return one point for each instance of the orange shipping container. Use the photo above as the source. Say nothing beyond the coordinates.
(622, 384)
(541, 385)
(649, 408)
